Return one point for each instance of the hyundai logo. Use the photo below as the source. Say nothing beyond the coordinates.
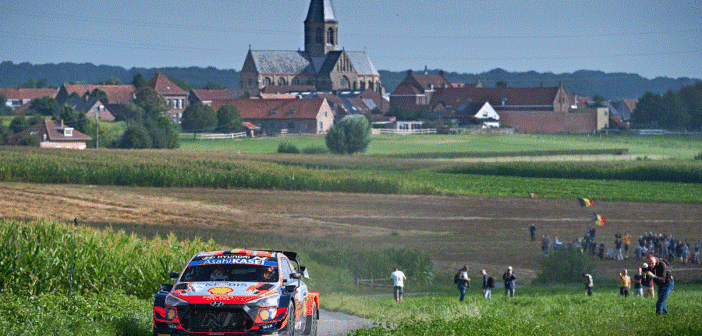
(216, 303)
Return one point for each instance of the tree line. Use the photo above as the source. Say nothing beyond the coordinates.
(674, 110)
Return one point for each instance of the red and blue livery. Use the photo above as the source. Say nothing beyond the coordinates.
(238, 292)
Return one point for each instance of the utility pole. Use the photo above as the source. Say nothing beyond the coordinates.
(97, 138)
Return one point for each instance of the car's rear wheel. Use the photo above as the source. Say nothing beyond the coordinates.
(313, 322)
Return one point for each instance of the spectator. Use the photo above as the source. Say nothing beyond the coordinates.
(638, 283)
(509, 278)
(398, 279)
(532, 232)
(624, 283)
(588, 283)
(488, 284)
(463, 282)
(661, 273)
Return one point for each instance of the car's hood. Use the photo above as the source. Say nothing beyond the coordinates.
(226, 292)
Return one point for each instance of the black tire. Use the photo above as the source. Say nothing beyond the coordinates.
(291, 319)
(312, 323)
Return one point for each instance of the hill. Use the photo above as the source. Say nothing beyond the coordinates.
(583, 82)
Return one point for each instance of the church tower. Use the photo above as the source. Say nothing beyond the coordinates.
(321, 29)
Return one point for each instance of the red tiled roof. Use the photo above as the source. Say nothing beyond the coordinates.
(274, 108)
(164, 86)
(277, 95)
(210, 95)
(631, 103)
(512, 96)
(28, 93)
(116, 94)
(288, 88)
(53, 130)
(417, 84)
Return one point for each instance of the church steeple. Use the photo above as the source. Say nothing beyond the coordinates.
(321, 29)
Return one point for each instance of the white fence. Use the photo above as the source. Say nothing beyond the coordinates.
(222, 136)
(404, 131)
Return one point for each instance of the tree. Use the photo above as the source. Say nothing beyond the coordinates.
(111, 81)
(132, 113)
(401, 113)
(597, 101)
(676, 115)
(4, 134)
(149, 100)
(212, 86)
(136, 136)
(33, 84)
(138, 80)
(691, 95)
(349, 136)
(501, 84)
(228, 119)
(182, 84)
(102, 95)
(18, 124)
(45, 106)
(648, 109)
(4, 109)
(73, 118)
(198, 117)
(163, 132)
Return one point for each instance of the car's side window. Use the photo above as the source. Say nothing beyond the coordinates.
(285, 269)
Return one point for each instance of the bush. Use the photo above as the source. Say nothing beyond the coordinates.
(699, 156)
(287, 147)
(29, 140)
(565, 265)
(351, 135)
(315, 150)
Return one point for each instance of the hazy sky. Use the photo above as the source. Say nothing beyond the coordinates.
(650, 38)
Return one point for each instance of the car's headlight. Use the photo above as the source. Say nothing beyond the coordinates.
(266, 301)
(174, 301)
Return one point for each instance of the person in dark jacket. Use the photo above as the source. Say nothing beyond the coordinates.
(488, 284)
(661, 273)
(509, 278)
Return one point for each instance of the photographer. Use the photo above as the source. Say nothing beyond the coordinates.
(661, 273)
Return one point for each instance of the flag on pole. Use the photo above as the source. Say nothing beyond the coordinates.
(598, 219)
(584, 202)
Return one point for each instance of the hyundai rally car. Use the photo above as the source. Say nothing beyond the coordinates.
(238, 292)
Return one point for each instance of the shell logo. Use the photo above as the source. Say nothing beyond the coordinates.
(220, 290)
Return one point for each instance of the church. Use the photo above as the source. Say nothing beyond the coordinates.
(321, 66)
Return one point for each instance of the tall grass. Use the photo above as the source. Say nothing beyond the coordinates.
(535, 311)
(37, 257)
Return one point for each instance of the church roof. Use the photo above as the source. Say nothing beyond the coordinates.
(282, 62)
(320, 11)
(362, 63)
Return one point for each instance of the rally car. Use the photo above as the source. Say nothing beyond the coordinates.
(238, 292)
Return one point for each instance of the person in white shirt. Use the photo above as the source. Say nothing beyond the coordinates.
(398, 283)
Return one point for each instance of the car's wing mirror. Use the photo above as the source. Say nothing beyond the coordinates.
(296, 275)
(305, 274)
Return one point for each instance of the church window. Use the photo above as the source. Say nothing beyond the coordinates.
(267, 81)
(330, 36)
(345, 83)
(282, 81)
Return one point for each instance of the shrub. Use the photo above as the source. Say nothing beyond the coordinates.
(699, 156)
(287, 147)
(351, 135)
(315, 150)
(29, 141)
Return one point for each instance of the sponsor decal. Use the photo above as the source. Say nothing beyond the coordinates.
(261, 262)
(220, 290)
(216, 303)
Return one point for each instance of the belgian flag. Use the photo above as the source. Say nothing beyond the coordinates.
(598, 219)
(584, 202)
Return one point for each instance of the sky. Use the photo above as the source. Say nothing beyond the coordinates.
(649, 38)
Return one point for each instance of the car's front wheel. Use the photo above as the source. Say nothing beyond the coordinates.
(312, 322)
(291, 319)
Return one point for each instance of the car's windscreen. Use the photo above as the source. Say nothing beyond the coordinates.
(230, 272)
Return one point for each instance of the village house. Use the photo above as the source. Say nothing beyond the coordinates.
(52, 134)
(313, 116)
(19, 97)
(174, 96)
(116, 94)
(208, 96)
(322, 64)
(93, 107)
(415, 91)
